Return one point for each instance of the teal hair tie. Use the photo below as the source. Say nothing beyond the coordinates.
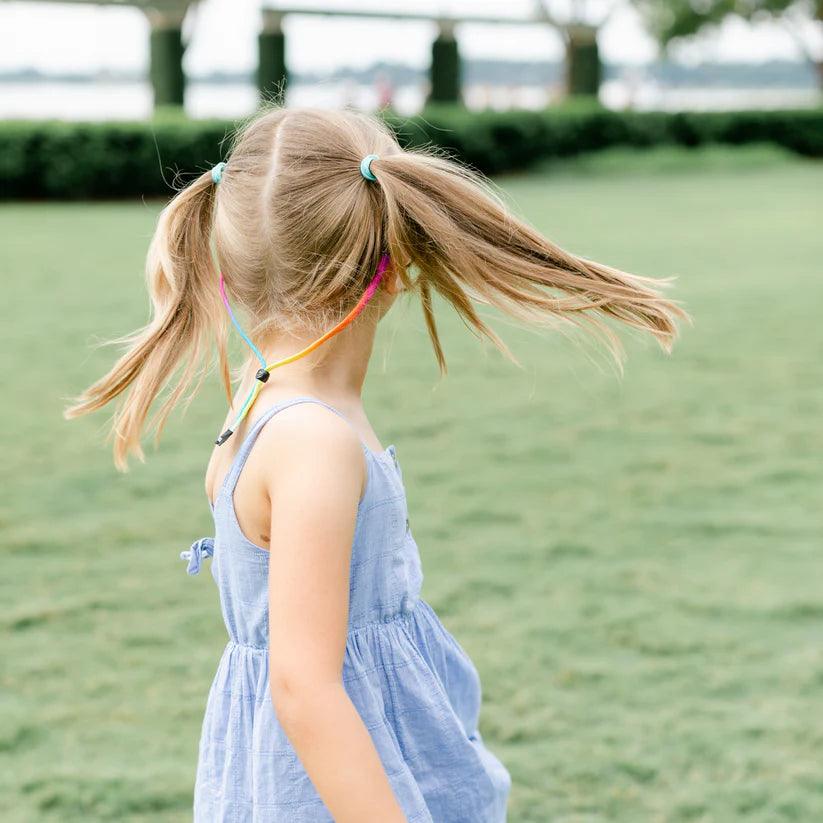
(217, 173)
(365, 166)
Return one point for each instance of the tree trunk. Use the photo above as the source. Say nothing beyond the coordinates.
(272, 72)
(818, 64)
(166, 59)
(584, 70)
(445, 68)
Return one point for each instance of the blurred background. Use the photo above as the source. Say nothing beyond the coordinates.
(94, 59)
(633, 562)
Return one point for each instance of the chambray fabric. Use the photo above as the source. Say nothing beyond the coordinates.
(412, 683)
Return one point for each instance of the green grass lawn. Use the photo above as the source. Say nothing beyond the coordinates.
(634, 564)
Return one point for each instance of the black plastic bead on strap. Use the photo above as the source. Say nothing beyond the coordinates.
(262, 375)
(223, 437)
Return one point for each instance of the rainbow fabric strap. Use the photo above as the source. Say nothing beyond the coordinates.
(265, 370)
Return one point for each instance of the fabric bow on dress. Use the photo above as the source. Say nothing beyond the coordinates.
(200, 549)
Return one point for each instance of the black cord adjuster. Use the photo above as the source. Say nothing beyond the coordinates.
(262, 375)
(223, 437)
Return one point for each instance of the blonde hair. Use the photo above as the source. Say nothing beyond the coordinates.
(298, 232)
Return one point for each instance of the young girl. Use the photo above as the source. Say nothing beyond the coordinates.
(340, 695)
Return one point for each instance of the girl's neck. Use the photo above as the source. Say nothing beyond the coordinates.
(335, 371)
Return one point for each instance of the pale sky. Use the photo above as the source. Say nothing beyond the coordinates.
(73, 37)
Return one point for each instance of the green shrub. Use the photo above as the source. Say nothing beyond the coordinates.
(88, 160)
(93, 160)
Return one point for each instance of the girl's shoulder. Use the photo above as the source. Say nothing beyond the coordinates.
(305, 439)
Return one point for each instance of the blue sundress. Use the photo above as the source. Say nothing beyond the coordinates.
(414, 686)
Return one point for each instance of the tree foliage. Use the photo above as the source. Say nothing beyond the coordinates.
(671, 19)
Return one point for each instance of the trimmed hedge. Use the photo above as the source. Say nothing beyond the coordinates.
(47, 159)
(495, 142)
(94, 160)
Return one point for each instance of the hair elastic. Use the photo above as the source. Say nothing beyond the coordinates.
(365, 166)
(217, 173)
(264, 372)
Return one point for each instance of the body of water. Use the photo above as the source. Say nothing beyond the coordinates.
(130, 101)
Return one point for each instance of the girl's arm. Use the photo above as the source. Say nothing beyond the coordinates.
(314, 478)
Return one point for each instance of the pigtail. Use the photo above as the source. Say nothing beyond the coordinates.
(312, 202)
(469, 248)
(186, 313)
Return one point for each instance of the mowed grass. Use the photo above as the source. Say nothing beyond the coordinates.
(634, 564)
